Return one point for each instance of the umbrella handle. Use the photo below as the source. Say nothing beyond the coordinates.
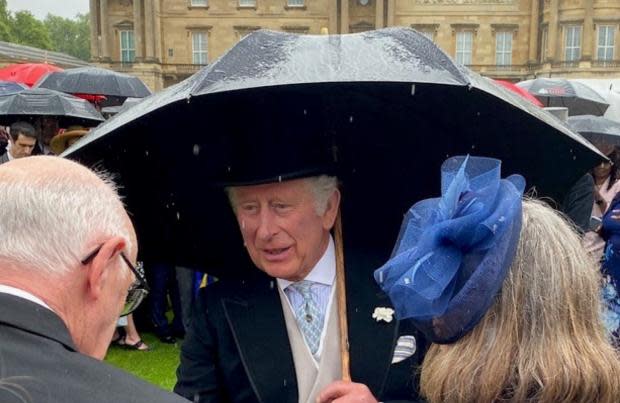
(341, 289)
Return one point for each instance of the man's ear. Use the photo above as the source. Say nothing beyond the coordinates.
(101, 265)
(331, 210)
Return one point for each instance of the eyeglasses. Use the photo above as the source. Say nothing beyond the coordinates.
(138, 289)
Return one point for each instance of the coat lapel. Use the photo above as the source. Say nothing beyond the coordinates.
(259, 329)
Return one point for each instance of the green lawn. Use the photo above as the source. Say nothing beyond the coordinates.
(157, 366)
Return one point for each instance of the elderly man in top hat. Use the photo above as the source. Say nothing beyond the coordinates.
(273, 336)
(67, 253)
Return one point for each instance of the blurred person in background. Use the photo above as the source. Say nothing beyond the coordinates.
(22, 140)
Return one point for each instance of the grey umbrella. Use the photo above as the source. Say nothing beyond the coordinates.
(11, 87)
(95, 81)
(32, 103)
(577, 97)
(596, 129)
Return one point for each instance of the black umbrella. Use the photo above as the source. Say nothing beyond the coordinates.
(386, 106)
(32, 103)
(596, 129)
(577, 97)
(95, 81)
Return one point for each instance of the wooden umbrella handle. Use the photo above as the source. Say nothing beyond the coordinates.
(342, 300)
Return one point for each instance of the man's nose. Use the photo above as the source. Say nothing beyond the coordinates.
(267, 226)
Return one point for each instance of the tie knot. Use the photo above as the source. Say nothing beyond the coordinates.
(303, 287)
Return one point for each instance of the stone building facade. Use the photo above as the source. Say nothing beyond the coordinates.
(165, 41)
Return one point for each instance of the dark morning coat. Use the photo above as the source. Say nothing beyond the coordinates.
(39, 363)
(238, 349)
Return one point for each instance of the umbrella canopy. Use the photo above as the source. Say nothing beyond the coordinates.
(384, 107)
(11, 87)
(518, 90)
(577, 97)
(95, 81)
(36, 102)
(26, 73)
(596, 129)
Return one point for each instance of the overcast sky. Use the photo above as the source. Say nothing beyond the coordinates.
(40, 8)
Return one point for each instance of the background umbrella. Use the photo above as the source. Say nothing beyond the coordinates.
(96, 81)
(577, 97)
(27, 73)
(11, 87)
(596, 129)
(110, 111)
(32, 103)
(518, 90)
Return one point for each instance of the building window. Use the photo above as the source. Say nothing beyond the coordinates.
(295, 3)
(198, 3)
(543, 45)
(199, 47)
(464, 42)
(503, 48)
(128, 47)
(247, 3)
(572, 43)
(605, 42)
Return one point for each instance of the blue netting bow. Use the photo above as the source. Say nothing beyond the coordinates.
(453, 252)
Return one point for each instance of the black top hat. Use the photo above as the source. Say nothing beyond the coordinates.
(260, 149)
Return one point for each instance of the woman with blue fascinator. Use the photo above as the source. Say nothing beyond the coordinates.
(504, 290)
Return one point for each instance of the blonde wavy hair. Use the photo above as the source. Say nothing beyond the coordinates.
(543, 339)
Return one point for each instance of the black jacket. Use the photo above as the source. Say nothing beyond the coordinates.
(238, 348)
(38, 359)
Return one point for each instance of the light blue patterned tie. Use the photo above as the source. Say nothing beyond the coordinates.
(309, 316)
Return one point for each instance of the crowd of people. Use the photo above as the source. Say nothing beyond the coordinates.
(489, 296)
(521, 323)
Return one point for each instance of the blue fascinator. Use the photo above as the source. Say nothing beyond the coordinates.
(453, 252)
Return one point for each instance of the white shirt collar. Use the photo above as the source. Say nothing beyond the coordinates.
(6, 289)
(324, 272)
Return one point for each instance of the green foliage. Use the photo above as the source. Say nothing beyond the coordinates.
(27, 30)
(6, 33)
(70, 36)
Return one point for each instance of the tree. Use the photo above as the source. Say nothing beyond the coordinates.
(27, 30)
(69, 36)
(6, 33)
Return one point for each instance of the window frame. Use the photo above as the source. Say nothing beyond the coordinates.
(503, 53)
(131, 51)
(572, 48)
(606, 46)
(465, 53)
(204, 48)
(204, 3)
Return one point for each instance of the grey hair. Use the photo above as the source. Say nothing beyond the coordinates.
(47, 222)
(322, 187)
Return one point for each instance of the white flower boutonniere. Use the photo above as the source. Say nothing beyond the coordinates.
(382, 313)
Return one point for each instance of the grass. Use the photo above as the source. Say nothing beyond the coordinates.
(157, 366)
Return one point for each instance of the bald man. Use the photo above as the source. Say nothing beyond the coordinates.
(67, 253)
